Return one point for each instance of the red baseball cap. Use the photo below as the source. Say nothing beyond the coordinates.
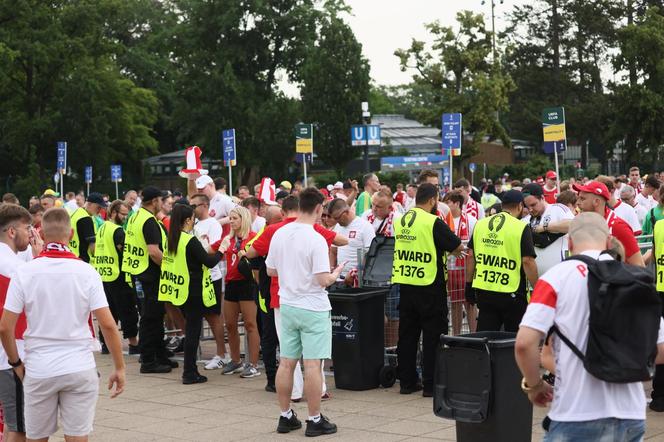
(551, 175)
(594, 187)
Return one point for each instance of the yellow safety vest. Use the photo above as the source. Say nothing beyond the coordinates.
(106, 259)
(75, 241)
(497, 251)
(135, 257)
(174, 278)
(415, 260)
(658, 251)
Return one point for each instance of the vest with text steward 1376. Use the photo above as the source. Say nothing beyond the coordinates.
(415, 260)
(106, 259)
(497, 251)
(174, 277)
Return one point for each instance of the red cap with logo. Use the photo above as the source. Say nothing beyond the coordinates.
(551, 175)
(594, 187)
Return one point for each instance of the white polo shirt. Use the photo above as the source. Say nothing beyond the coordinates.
(9, 262)
(560, 297)
(58, 294)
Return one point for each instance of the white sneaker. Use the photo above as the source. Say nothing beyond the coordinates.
(215, 363)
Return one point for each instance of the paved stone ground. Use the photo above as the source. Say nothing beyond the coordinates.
(228, 408)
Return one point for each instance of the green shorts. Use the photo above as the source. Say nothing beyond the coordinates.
(305, 333)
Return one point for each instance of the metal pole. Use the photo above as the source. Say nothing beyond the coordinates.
(117, 193)
(88, 186)
(304, 164)
(555, 155)
(472, 178)
(62, 184)
(230, 179)
(451, 183)
(493, 29)
(366, 158)
(484, 170)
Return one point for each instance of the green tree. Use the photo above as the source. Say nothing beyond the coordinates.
(335, 81)
(457, 75)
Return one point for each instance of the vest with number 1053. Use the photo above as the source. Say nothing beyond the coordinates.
(415, 261)
(106, 259)
(497, 251)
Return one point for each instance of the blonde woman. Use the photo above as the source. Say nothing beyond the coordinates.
(240, 295)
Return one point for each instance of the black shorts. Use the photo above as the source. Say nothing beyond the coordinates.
(216, 308)
(237, 291)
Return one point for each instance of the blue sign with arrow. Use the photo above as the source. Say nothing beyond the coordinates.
(452, 133)
(62, 155)
(116, 173)
(88, 174)
(228, 145)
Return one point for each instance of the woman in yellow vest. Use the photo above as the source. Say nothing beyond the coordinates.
(185, 282)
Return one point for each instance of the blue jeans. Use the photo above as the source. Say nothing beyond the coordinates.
(600, 430)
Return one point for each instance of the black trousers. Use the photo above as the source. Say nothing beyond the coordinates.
(420, 312)
(500, 310)
(658, 379)
(269, 339)
(151, 325)
(193, 310)
(122, 303)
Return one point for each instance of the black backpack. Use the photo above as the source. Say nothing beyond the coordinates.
(625, 312)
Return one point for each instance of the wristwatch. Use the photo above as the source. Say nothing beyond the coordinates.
(16, 364)
(528, 389)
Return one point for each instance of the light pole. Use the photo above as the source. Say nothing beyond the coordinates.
(366, 120)
(493, 26)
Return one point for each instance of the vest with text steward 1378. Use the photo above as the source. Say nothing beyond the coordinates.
(497, 252)
(415, 260)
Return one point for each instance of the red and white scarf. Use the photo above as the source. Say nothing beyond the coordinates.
(610, 217)
(385, 228)
(472, 208)
(462, 230)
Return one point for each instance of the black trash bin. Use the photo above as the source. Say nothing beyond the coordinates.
(478, 384)
(357, 337)
(358, 323)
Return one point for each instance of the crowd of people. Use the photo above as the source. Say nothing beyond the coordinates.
(165, 260)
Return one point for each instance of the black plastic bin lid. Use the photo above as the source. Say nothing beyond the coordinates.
(355, 293)
(491, 339)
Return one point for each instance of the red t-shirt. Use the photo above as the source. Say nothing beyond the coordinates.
(231, 258)
(262, 246)
(550, 195)
(622, 232)
(399, 197)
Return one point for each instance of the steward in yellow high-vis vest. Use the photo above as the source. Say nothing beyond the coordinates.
(145, 242)
(185, 282)
(421, 241)
(84, 229)
(503, 256)
(658, 255)
(108, 260)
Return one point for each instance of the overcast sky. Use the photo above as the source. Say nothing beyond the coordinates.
(382, 26)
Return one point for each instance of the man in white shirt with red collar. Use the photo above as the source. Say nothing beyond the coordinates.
(470, 206)
(621, 209)
(584, 407)
(59, 376)
(16, 236)
(645, 197)
(382, 214)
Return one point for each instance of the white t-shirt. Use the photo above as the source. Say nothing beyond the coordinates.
(641, 213)
(360, 234)
(647, 202)
(555, 252)
(298, 253)
(71, 205)
(561, 298)
(59, 339)
(220, 206)
(208, 231)
(258, 224)
(9, 262)
(627, 213)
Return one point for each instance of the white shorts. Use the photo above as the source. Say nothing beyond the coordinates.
(74, 395)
